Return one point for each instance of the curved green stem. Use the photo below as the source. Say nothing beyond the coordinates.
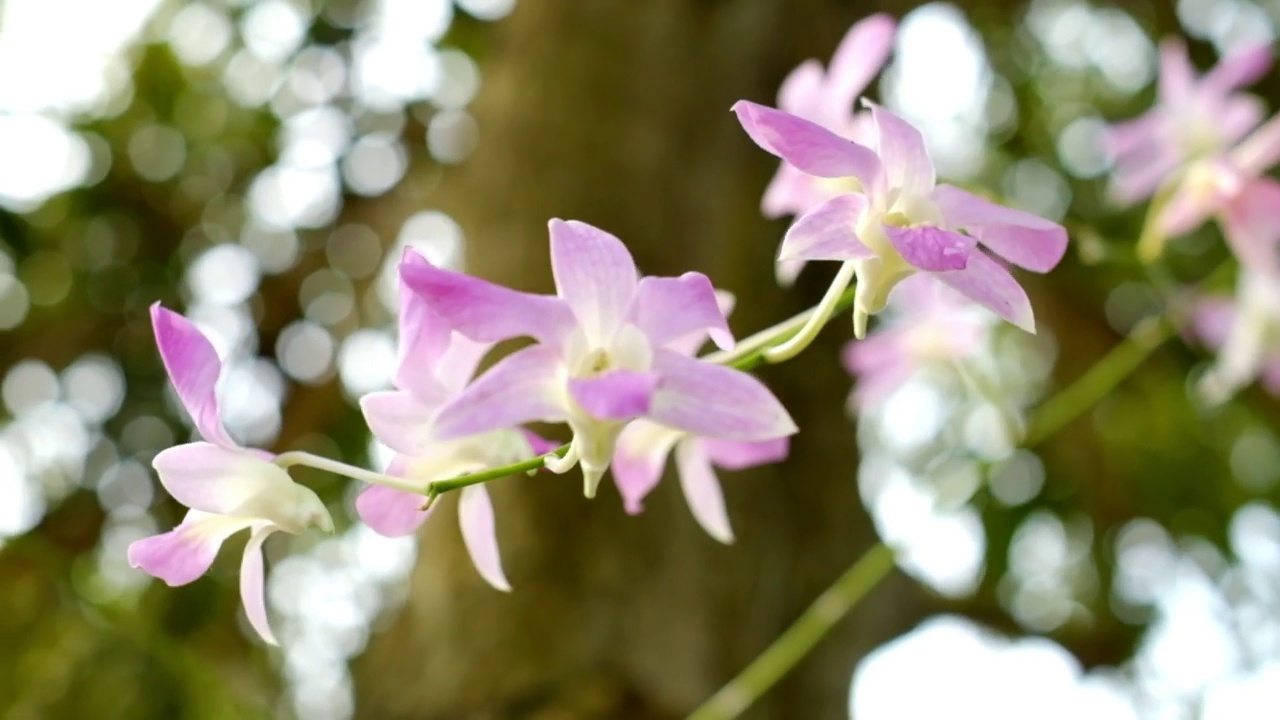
(818, 320)
(799, 640)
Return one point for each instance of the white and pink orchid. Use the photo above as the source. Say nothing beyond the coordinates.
(434, 367)
(644, 445)
(829, 98)
(901, 222)
(227, 487)
(1194, 118)
(601, 357)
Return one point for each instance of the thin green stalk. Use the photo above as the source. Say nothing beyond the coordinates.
(799, 640)
(1098, 381)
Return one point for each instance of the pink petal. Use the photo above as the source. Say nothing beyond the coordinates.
(595, 276)
(802, 90)
(1258, 152)
(479, 534)
(193, 367)
(1133, 136)
(1237, 115)
(859, 57)
(1251, 224)
(486, 312)
(827, 232)
(931, 248)
(809, 147)
(705, 399)
(880, 363)
(615, 395)
(400, 420)
(1238, 69)
(702, 490)
(738, 455)
(1139, 178)
(224, 481)
(391, 512)
(251, 584)
(457, 365)
(538, 444)
(185, 552)
(906, 162)
(1177, 77)
(520, 388)
(792, 192)
(638, 461)
(668, 308)
(423, 336)
(1024, 239)
(1212, 319)
(786, 271)
(987, 283)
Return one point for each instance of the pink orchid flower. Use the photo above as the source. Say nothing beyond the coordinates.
(901, 223)
(601, 358)
(434, 367)
(827, 97)
(930, 325)
(1245, 331)
(227, 487)
(1193, 118)
(644, 445)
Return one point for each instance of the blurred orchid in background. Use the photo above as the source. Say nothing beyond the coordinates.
(929, 324)
(1193, 118)
(228, 488)
(434, 367)
(602, 356)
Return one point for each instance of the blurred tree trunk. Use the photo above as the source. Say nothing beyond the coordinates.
(617, 113)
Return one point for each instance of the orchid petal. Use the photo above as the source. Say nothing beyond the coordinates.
(859, 57)
(1212, 319)
(802, 89)
(424, 336)
(668, 308)
(1251, 224)
(252, 582)
(791, 192)
(931, 248)
(906, 161)
(594, 274)
(479, 534)
(486, 312)
(1238, 69)
(739, 455)
(615, 395)
(400, 420)
(391, 512)
(987, 283)
(186, 552)
(638, 461)
(457, 365)
(1177, 77)
(1026, 240)
(521, 387)
(236, 483)
(1238, 115)
(193, 367)
(702, 490)
(1258, 152)
(705, 399)
(827, 232)
(808, 146)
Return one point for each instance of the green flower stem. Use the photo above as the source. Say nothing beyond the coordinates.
(440, 487)
(1099, 380)
(826, 307)
(299, 457)
(799, 640)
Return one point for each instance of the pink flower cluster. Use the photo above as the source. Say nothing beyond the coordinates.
(613, 354)
(1202, 151)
